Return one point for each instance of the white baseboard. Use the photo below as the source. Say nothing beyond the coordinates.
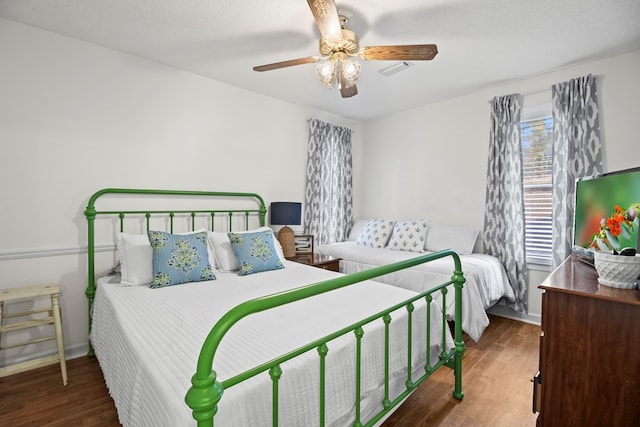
(76, 351)
(73, 352)
(504, 311)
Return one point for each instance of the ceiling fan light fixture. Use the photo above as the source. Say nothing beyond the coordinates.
(350, 70)
(339, 48)
(326, 71)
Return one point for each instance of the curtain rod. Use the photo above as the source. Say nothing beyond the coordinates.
(530, 92)
(545, 89)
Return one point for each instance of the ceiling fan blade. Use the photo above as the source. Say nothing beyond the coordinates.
(413, 52)
(348, 92)
(289, 63)
(326, 15)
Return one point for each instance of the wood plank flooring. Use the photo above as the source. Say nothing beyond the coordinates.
(496, 384)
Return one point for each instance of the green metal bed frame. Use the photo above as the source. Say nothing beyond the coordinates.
(206, 390)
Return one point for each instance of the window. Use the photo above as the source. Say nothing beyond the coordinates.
(536, 135)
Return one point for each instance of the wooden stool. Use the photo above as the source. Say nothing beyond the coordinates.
(53, 318)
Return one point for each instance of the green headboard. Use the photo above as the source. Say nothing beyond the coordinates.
(121, 195)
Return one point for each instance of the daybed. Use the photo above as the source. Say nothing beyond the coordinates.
(267, 347)
(375, 242)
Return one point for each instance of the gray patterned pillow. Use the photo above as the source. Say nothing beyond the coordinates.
(376, 233)
(409, 235)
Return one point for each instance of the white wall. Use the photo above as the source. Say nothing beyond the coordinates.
(76, 117)
(432, 161)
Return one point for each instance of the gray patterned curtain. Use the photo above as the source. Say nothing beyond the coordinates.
(576, 153)
(328, 214)
(503, 234)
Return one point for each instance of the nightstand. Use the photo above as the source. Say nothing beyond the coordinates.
(325, 262)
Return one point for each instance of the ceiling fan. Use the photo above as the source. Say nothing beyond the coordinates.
(340, 49)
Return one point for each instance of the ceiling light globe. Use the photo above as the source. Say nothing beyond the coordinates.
(351, 70)
(325, 70)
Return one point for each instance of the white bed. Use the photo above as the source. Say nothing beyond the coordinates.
(486, 280)
(139, 332)
(163, 319)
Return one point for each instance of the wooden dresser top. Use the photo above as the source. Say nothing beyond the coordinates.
(578, 277)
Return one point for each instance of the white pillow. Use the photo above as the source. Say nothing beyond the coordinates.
(460, 239)
(225, 257)
(136, 258)
(409, 235)
(356, 229)
(375, 233)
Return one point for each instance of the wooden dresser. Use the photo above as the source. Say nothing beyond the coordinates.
(589, 351)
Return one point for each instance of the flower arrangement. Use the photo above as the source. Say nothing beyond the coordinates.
(620, 223)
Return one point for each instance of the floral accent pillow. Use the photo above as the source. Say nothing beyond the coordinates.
(376, 233)
(255, 252)
(179, 258)
(409, 235)
(225, 259)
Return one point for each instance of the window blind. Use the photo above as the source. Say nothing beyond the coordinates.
(537, 141)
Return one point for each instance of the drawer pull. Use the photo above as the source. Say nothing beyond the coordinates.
(537, 385)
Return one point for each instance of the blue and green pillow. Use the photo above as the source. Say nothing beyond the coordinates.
(255, 252)
(179, 258)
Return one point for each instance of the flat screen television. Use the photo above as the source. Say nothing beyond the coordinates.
(596, 201)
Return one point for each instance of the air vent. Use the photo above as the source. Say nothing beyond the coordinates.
(395, 68)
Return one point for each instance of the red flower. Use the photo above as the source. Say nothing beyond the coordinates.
(613, 223)
(611, 228)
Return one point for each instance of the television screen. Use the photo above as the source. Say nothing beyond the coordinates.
(610, 200)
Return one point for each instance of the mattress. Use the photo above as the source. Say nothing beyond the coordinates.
(147, 342)
(486, 279)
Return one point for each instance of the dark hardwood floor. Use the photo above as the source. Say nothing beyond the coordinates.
(496, 383)
(38, 398)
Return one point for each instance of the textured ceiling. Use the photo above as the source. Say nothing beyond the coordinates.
(480, 43)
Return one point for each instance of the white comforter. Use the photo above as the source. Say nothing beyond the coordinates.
(147, 342)
(486, 279)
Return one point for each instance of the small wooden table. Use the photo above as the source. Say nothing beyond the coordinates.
(53, 318)
(325, 262)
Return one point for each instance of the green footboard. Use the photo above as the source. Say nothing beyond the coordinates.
(206, 391)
